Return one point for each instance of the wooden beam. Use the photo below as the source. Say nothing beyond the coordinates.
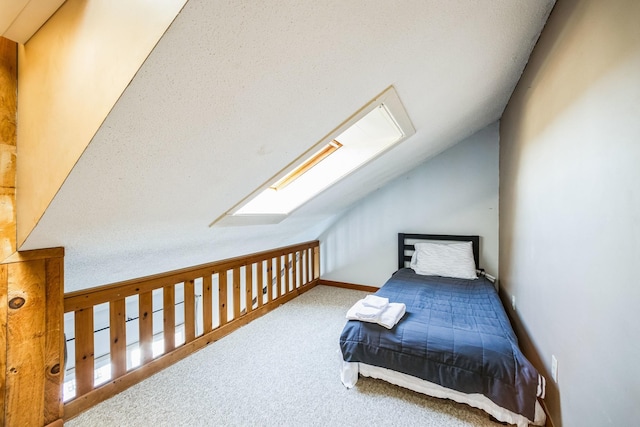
(4, 279)
(8, 139)
(26, 341)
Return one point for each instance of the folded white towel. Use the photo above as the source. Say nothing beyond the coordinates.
(375, 301)
(364, 312)
(392, 314)
(387, 317)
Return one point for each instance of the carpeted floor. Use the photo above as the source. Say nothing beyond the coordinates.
(282, 369)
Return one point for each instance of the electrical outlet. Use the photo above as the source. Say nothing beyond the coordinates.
(513, 302)
(554, 368)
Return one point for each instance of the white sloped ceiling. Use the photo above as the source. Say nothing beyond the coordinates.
(236, 90)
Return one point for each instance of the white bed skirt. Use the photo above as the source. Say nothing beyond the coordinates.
(349, 376)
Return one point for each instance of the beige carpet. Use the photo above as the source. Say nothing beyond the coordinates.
(282, 369)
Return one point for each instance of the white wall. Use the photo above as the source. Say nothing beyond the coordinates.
(570, 210)
(455, 192)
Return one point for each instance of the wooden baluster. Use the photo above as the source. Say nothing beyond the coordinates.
(118, 332)
(169, 318)
(84, 351)
(316, 262)
(303, 266)
(278, 276)
(145, 325)
(292, 277)
(287, 263)
(294, 270)
(307, 266)
(270, 280)
(222, 299)
(207, 304)
(189, 311)
(307, 262)
(260, 284)
(286, 274)
(236, 292)
(249, 286)
(310, 267)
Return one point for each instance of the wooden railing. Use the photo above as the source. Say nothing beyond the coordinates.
(213, 300)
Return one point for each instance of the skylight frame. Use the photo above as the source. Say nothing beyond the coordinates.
(391, 102)
(307, 165)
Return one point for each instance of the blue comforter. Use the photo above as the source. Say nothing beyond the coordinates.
(455, 334)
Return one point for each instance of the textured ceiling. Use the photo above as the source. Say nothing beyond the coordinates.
(236, 90)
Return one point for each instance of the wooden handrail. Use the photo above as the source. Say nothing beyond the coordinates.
(266, 280)
(78, 300)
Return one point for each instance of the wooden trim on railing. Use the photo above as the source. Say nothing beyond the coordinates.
(235, 279)
(344, 285)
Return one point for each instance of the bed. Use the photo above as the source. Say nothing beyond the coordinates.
(454, 341)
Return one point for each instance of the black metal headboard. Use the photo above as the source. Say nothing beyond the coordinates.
(403, 246)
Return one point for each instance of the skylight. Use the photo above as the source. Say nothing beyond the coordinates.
(376, 128)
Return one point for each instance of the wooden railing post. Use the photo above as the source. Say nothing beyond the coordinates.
(31, 290)
(31, 327)
(316, 262)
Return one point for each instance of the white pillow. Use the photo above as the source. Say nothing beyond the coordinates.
(444, 259)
